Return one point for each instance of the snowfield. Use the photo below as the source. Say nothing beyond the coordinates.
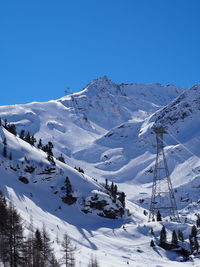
(106, 131)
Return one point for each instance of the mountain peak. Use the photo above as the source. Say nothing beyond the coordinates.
(100, 84)
(196, 86)
(102, 78)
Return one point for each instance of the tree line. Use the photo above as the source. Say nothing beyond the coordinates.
(33, 250)
(27, 137)
(178, 240)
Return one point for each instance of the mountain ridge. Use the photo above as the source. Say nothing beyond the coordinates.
(105, 131)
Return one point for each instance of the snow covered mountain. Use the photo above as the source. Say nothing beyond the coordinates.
(105, 131)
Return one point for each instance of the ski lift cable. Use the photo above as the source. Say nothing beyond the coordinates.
(188, 150)
(80, 115)
(180, 157)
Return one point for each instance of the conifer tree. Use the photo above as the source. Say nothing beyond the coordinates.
(180, 236)
(163, 235)
(194, 231)
(198, 220)
(194, 245)
(40, 144)
(28, 138)
(12, 128)
(21, 135)
(5, 123)
(32, 140)
(106, 184)
(5, 141)
(121, 198)
(28, 252)
(158, 216)
(152, 244)
(29, 245)
(48, 149)
(68, 187)
(93, 262)
(115, 189)
(47, 250)
(61, 158)
(68, 250)
(38, 259)
(152, 231)
(112, 188)
(15, 237)
(4, 249)
(5, 151)
(68, 192)
(174, 238)
(3, 212)
(53, 261)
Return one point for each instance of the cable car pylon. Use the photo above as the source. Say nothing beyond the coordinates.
(162, 198)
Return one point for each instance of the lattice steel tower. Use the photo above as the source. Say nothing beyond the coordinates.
(162, 198)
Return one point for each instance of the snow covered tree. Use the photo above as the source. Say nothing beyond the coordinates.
(163, 235)
(68, 250)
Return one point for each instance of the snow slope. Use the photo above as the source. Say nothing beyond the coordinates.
(106, 130)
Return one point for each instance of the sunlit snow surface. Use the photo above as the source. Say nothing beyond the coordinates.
(106, 130)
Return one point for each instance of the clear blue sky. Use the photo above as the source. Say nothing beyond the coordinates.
(48, 45)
